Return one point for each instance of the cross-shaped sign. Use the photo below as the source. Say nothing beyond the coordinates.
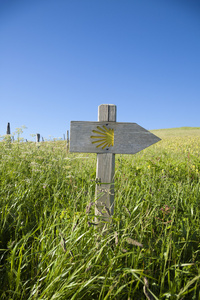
(107, 138)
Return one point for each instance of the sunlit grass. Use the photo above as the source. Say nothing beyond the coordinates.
(50, 248)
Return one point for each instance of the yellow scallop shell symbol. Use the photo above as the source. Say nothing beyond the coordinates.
(105, 137)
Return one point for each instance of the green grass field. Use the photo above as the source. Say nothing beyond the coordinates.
(49, 248)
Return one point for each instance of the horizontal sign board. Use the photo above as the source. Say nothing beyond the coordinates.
(109, 137)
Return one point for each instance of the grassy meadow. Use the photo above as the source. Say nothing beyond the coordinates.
(51, 249)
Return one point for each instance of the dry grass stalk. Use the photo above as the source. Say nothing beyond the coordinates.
(88, 207)
(133, 242)
(71, 253)
(88, 269)
(75, 225)
(99, 213)
(145, 289)
(90, 223)
(63, 242)
(128, 211)
(124, 250)
(116, 238)
(107, 210)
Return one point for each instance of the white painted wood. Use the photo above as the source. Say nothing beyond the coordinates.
(129, 138)
(105, 172)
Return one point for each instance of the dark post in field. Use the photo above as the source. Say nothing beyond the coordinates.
(8, 128)
(37, 138)
(107, 138)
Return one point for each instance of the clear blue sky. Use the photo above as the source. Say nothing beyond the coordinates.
(60, 59)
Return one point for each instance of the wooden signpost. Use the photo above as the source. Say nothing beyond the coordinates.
(107, 138)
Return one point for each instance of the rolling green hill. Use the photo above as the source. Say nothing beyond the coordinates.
(180, 131)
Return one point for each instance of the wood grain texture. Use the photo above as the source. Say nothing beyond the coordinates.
(107, 112)
(105, 171)
(105, 187)
(129, 138)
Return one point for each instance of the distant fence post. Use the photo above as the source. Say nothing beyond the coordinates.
(67, 140)
(8, 129)
(8, 132)
(37, 138)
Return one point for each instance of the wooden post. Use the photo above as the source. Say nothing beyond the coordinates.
(8, 128)
(105, 170)
(67, 141)
(37, 138)
(9, 138)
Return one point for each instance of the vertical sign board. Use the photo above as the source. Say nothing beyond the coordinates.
(107, 138)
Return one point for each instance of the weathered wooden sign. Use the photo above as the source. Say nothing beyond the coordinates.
(107, 138)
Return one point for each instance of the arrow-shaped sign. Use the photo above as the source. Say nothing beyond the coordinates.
(109, 137)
